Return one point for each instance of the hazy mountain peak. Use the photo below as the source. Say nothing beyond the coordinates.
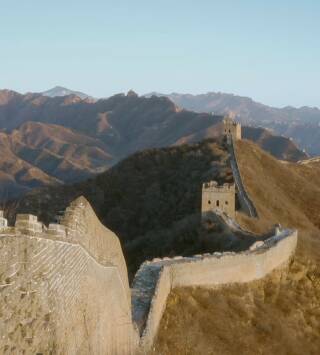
(7, 95)
(62, 91)
(132, 93)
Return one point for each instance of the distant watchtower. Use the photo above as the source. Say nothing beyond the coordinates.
(220, 198)
(231, 128)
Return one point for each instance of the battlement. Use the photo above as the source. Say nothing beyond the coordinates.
(66, 272)
(28, 223)
(214, 186)
(57, 230)
(72, 274)
(78, 225)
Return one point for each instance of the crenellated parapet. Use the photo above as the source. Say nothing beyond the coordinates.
(214, 186)
(28, 224)
(61, 280)
(78, 225)
(71, 278)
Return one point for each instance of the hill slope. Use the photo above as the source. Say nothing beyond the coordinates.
(152, 201)
(280, 147)
(38, 154)
(17, 176)
(279, 314)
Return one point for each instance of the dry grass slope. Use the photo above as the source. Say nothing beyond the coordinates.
(277, 315)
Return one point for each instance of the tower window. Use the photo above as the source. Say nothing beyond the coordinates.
(227, 202)
(209, 202)
(217, 203)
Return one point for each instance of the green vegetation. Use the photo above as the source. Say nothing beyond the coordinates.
(151, 200)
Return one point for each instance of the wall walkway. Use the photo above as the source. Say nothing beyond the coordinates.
(206, 270)
(245, 201)
(64, 289)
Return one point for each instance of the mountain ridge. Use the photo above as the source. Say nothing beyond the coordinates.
(71, 139)
(225, 94)
(302, 124)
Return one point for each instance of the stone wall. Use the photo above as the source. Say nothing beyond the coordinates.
(211, 270)
(157, 307)
(83, 227)
(244, 199)
(64, 290)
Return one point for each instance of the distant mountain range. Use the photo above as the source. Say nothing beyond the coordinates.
(301, 124)
(56, 140)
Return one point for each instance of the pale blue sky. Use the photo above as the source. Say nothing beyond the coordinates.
(268, 50)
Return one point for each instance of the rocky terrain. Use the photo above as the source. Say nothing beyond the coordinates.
(37, 154)
(302, 124)
(64, 139)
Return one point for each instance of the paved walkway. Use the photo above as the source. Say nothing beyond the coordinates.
(246, 204)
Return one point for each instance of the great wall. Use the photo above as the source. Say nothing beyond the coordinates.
(64, 288)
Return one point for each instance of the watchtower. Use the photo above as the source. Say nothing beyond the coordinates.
(220, 198)
(231, 128)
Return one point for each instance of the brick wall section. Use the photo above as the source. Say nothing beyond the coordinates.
(55, 296)
(157, 307)
(210, 270)
(245, 201)
(64, 289)
(83, 227)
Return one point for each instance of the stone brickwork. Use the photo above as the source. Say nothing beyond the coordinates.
(246, 202)
(27, 223)
(218, 198)
(64, 290)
